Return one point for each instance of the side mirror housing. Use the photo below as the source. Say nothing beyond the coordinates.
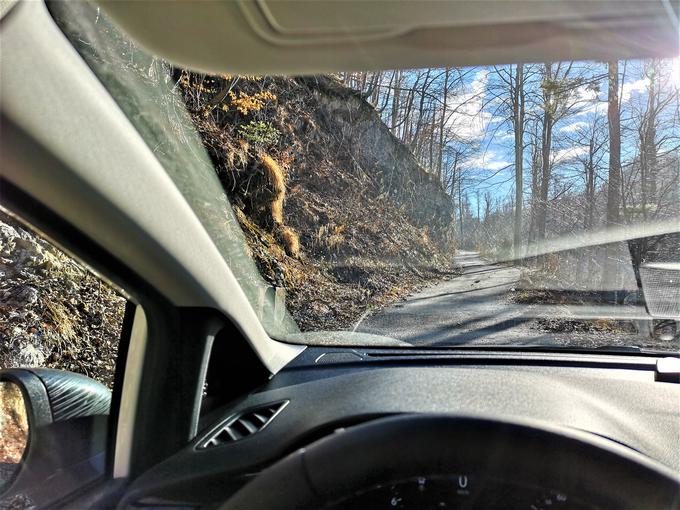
(66, 416)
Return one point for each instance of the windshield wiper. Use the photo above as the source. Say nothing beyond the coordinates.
(636, 349)
(612, 348)
(621, 348)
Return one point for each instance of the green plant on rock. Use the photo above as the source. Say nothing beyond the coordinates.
(259, 132)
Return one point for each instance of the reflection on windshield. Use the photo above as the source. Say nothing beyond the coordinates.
(530, 204)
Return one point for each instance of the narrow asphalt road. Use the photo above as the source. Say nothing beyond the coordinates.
(473, 308)
(476, 308)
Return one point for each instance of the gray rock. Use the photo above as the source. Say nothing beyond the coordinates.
(21, 297)
(22, 349)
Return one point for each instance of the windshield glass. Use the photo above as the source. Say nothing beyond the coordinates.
(518, 205)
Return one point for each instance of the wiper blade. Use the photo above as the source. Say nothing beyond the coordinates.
(635, 349)
(620, 348)
(612, 348)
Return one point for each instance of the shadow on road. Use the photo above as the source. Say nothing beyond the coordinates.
(476, 289)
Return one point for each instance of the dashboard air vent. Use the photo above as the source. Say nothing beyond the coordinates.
(243, 424)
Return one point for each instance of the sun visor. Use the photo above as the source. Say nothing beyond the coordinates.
(307, 37)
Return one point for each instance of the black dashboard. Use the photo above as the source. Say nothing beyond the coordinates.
(459, 491)
(616, 397)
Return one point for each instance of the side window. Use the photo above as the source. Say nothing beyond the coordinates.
(58, 323)
(54, 312)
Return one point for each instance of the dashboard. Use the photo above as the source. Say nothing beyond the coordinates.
(459, 491)
(615, 397)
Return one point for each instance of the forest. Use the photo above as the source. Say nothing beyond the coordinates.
(530, 152)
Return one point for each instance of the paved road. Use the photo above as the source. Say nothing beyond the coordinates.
(471, 308)
(476, 308)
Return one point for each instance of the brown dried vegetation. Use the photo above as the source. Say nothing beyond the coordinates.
(337, 211)
(53, 311)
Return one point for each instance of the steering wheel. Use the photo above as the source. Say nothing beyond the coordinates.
(604, 474)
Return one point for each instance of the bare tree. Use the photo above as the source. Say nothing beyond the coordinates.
(613, 182)
(517, 94)
(548, 122)
(396, 97)
(442, 122)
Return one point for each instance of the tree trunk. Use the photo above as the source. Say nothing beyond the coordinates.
(546, 146)
(590, 186)
(375, 88)
(421, 110)
(460, 209)
(442, 122)
(613, 186)
(395, 102)
(406, 128)
(518, 124)
(648, 147)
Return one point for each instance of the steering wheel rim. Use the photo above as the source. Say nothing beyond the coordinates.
(601, 472)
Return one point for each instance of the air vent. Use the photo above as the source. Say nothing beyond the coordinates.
(243, 425)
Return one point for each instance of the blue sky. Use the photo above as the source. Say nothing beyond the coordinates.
(493, 168)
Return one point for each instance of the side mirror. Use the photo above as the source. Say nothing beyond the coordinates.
(52, 425)
(13, 431)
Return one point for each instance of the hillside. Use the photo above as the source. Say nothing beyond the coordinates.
(336, 210)
(53, 311)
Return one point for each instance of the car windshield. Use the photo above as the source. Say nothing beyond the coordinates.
(523, 205)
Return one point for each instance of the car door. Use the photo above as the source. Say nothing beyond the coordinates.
(61, 328)
(74, 166)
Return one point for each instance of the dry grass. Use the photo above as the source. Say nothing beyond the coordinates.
(277, 210)
(75, 322)
(62, 320)
(276, 179)
(291, 241)
(336, 192)
(566, 325)
(236, 154)
(334, 241)
(274, 173)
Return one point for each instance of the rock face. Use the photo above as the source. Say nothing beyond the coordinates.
(53, 312)
(375, 150)
(22, 260)
(368, 222)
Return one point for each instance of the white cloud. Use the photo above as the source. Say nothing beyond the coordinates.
(467, 118)
(574, 126)
(497, 165)
(568, 154)
(585, 93)
(638, 86)
(588, 101)
(592, 101)
(487, 161)
(675, 72)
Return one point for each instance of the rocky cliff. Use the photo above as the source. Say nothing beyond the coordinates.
(336, 209)
(53, 312)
